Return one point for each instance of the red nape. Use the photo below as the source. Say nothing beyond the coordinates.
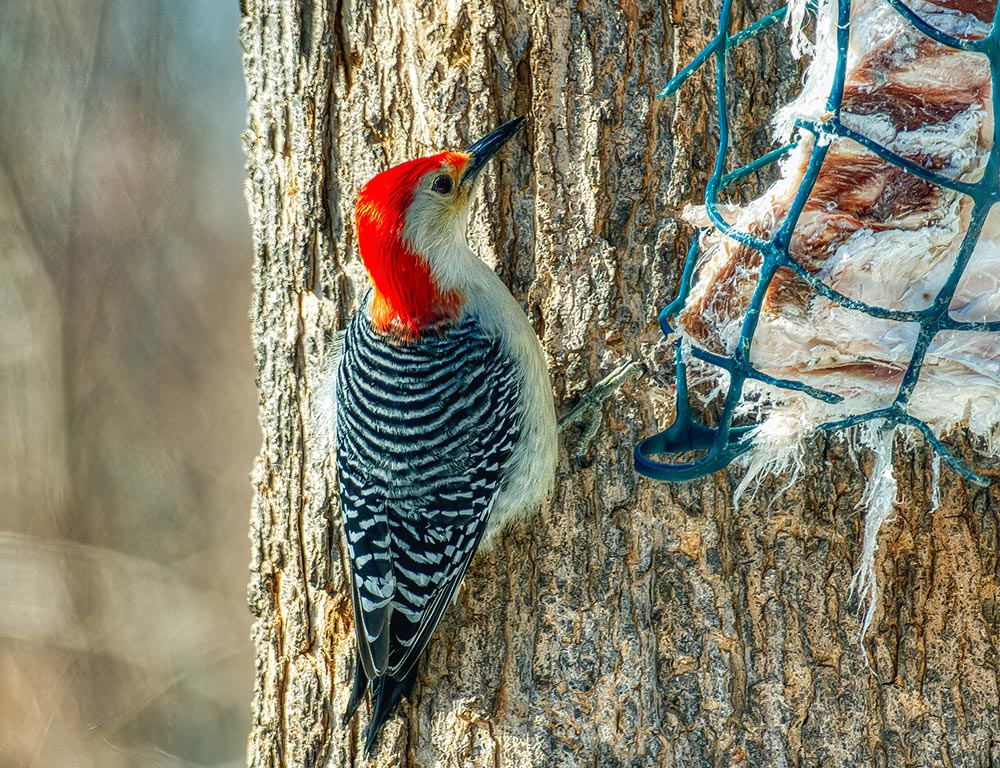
(407, 300)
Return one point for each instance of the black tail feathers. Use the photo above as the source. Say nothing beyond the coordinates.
(358, 692)
(386, 693)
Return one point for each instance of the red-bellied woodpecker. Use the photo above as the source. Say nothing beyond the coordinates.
(445, 425)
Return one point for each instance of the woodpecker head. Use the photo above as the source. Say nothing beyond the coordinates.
(411, 222)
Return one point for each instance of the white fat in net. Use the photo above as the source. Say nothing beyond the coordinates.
(875, 233)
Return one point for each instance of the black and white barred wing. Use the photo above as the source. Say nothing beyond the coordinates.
(424, 432)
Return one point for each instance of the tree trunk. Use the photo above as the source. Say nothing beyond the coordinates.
(630, 622)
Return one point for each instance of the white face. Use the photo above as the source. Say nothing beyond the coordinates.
(436, 222)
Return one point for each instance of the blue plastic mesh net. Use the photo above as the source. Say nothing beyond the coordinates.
(723, 442)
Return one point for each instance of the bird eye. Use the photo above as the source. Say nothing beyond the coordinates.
(442, 184)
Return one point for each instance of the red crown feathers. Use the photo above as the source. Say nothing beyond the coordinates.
(406, 300)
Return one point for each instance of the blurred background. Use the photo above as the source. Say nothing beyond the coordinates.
(127, 402)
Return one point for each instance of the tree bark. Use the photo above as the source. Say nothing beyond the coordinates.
(630, 622)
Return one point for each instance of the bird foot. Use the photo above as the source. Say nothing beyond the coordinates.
(588, 413)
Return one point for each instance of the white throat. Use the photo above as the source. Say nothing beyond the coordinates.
(438, 235)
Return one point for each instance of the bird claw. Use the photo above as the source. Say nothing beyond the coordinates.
(588, 413)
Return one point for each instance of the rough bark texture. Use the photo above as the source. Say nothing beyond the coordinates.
(629, 623)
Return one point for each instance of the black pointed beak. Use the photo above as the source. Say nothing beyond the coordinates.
(482, 150)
